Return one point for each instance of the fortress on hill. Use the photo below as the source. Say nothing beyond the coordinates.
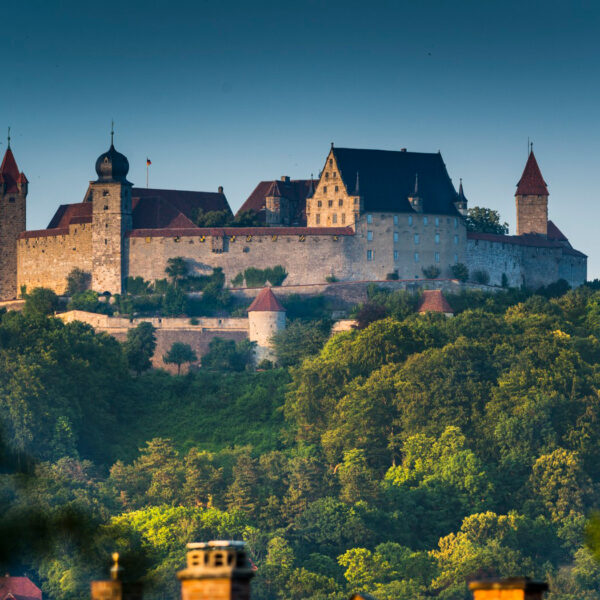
(371, 213)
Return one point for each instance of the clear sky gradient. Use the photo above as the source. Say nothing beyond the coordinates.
(229, 93)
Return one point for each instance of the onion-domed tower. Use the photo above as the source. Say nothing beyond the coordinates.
(111, 220)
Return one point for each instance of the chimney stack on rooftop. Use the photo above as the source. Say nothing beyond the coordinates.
(513, 588)
(220, 189)
(114, 588)
(285, 178)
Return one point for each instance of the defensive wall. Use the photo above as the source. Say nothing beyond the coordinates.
(532, 263)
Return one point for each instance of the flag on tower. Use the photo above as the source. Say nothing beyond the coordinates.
(148, 162)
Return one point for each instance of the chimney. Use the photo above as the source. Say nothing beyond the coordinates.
(402, 149)
(114, 588)
(513, 588)
(218, 569)
(285, 178)
(220, 189)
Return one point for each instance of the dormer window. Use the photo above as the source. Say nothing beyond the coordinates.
(340, 202)
(324, 189)
(330, 162)
(327, 175)
(336, 188)
(319, 203)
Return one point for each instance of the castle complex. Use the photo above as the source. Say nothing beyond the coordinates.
(371, 214)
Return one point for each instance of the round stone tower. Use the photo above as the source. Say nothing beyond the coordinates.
(266, 317)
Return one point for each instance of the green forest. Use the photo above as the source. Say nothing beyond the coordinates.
(403, 458)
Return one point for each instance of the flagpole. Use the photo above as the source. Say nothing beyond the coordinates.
(147, 172)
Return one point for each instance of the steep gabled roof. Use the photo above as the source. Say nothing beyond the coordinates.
(20, 588)
(69, 214)
(157, 213)
(9, 172)
(531, 183)
(434, 301)
(184, 201)
(266, 302)
(295, 190)
(387, 179)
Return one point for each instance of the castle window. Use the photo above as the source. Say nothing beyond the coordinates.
(334, 218)
(324, 189)
(105, 241)
(334, 174)
(370, 236)
(369, 219)
(395, 255)
(416, 257)
(410, 220)
(336, 188)
(340, 202)
(319, 203)
(437, 221)
(105, 192)
(343, 218)
(456, 240)
(330, 203)
(437, 257)
(455, 258)
(330, 162)
(437, 238)
(395, 236)
(425, 220)
(318, 219)
(106, 207)
(395, 219)
(455, 222)
(369, 255)
(11, 200)
(416, 238)
(327, 175)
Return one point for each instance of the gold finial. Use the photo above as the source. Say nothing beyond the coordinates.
(115, 569)
(112, 132)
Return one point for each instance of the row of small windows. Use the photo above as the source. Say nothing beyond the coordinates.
(334, 218)
(410, 220)
(397, 236)
(330, 203)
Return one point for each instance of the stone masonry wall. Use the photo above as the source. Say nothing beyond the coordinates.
(532, 214)
(46, 260)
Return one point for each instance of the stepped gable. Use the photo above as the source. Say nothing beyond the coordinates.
(387, 179)
(295, 190)
(434, 301)
(19, 588)
(531, 183)
(9, 172)
(266, 302)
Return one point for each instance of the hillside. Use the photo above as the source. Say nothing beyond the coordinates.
(402, 459)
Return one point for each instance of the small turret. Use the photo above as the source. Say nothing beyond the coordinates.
(266, 317)
(415, 199)
(461, 201)
(532, 200)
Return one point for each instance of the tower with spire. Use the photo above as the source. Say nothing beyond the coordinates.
(13, 197)
(111, 201)
(532, 200)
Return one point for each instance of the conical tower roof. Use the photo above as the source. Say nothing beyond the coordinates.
(531, 183)
(266, 302)
(9, 172)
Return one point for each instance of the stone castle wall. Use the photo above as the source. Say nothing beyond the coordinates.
(525, 265)
(46, 260)
(12, 223)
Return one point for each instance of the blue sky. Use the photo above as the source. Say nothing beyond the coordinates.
(229, 93)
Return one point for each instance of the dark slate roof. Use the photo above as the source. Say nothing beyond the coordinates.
(387, 179)
(531, 183)
(266, 301)
(295, 190)
(158, 213)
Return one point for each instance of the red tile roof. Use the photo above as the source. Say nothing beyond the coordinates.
(266, 302)
(295, 190)
(184, 201)
(67, 213)
(157, 213)
(9, 172)
(531, 183)
(434, 301)
(21, 588)
(554, 233)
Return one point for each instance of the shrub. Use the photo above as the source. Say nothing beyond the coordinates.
(393, 276)
(368, 313)
(331, 279)
(87, 301)
(137, 286)
(299, 340)
(275, 275)
(264, 365)
(78, 281)
(238, 280)
(226, 355)
(255, 277)
(481, 276)
(504, 281)
(460, 271)
(173, 302)
(41, 302)
(194, 321)
(179, 354)
(431, 272)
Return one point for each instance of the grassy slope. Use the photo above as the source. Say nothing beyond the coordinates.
(207, 410)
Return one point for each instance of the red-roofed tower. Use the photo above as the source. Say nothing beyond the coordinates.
(532, 200)
(13, 197)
